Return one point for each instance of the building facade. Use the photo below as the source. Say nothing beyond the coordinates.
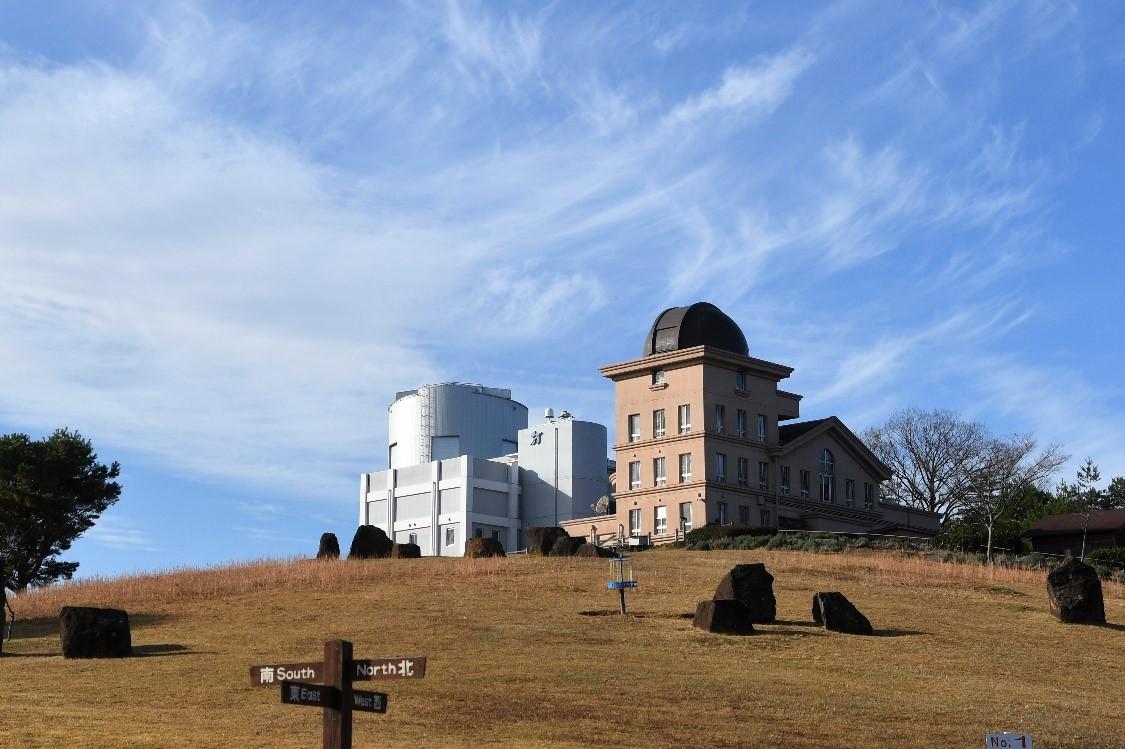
(702, 437)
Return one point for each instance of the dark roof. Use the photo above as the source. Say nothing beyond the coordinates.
(1073, 522)
(790, 432)
(700, 324)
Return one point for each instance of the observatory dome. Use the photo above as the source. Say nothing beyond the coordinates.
(699, 324)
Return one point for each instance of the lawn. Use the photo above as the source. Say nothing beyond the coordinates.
(522, 652)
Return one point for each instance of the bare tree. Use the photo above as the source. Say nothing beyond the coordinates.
(1006, 470)
(933, 456)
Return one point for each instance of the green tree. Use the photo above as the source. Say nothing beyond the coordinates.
(1115, 494)
(1088, 495)
(51, 491)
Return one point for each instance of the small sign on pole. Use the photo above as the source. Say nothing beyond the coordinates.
(335, 694)
(1007, 741)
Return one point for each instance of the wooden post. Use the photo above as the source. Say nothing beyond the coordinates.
(338, 673)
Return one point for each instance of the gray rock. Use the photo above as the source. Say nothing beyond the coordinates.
(370, 542)
(1076, 593)
(329, 547)
(751, 584)
(726, 616)
(565, 546)
(476, 548)
(94, 633)
(542, 540)
(835, 612)
(406, 551)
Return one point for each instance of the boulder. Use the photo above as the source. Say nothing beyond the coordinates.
(726, 616)
(329, 547)
(1076, 593)
(835, 612)
(565, 546)
(751, 584)
(542, 540)
(94, 633)
(370, 542)
(483, 547)
(406, 551)
(589, 550)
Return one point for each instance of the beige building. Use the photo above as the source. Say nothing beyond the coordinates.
(702, 438)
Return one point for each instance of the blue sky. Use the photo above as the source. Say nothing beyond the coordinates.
(229, 232)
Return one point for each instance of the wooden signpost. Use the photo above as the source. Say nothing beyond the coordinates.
(335, 694)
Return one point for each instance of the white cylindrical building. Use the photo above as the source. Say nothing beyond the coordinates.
(437, 422)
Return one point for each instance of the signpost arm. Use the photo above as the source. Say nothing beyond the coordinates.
(338, 674)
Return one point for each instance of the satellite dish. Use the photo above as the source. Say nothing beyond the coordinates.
(602, 505)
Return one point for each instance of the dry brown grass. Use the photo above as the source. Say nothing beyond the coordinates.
(513, 661)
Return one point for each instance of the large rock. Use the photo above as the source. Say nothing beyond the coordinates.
(589, 550)
(370, 542)
(406, 551)
(483, 547)
(751, 584)
(94, 633)
(329, 547)
(726, 616)
(565, 546)
(542, 540)
(835, 612)
(1076, 593)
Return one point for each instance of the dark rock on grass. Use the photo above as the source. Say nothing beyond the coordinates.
(329, 547)
(565, 546)
(1076, 593)
(751, 584)
(370, 542)
(94, 633)
(590, 550)
(542, 540)
(725, 616)
(406, 551)
(835, 612)
(483, 547)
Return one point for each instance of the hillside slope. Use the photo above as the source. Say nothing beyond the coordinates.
(517, 659)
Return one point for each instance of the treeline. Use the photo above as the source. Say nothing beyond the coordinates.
(988, 489)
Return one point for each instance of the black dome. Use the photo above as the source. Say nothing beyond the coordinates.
(700, 324)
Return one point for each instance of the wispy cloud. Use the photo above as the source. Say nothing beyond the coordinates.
(120, 533)
(753, 89)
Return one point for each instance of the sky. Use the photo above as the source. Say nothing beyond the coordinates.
(231, 231)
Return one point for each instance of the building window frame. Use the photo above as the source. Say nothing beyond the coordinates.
(659, 377)
(450, 536)
(744, 515)
(740, 381)
(634, 427)
(721, 467)
(635, 474)
(849, 492)
(658, 423)
(785, 482)
(660, 520)
(868, 495)
(740, 423)
(685, 516)
(805, 480)
(763, 475)
(743, 472)
(720, 418)
(721, 511)
(685, 467)
(635, 522)
(660, 471)
(763, 429)
(683, 418)
(827, 477)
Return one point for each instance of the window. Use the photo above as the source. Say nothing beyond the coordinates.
(868, 496)
(412, 538)
(449, 536)
(720, 467)
(849, 492)
(743, 515)
(685, 516)
(762, 428)
(478, 532)
(785, 480)
(763, 475)
(658, 423)
(739, 380)
(722, 513)
(660, 524)
(634, 522)
(635, 475)
(634, 427)
(659, 471)
(804, 484)
(740, 423)
(743, 472)
(720, 418)
(685, 418)
(827, 476)
(685, 467)
(495, 535)
(765, 517)
(658, 377)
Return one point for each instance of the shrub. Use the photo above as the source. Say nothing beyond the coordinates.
(713, 531)
(1111, 557)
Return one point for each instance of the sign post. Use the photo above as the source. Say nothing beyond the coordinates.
(335, 694)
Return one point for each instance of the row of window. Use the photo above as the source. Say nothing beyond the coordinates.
(827, 477)
(660, 518)
(658, 378)
(683, 423)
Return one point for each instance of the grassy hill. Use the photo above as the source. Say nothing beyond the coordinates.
(523, 653)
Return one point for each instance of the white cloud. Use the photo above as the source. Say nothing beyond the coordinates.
(120, 533)
(754, 89)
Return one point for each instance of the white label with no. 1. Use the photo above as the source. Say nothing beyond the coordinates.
(1007, 741)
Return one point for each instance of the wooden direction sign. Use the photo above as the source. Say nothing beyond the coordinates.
(335, 694)
(363, 669)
